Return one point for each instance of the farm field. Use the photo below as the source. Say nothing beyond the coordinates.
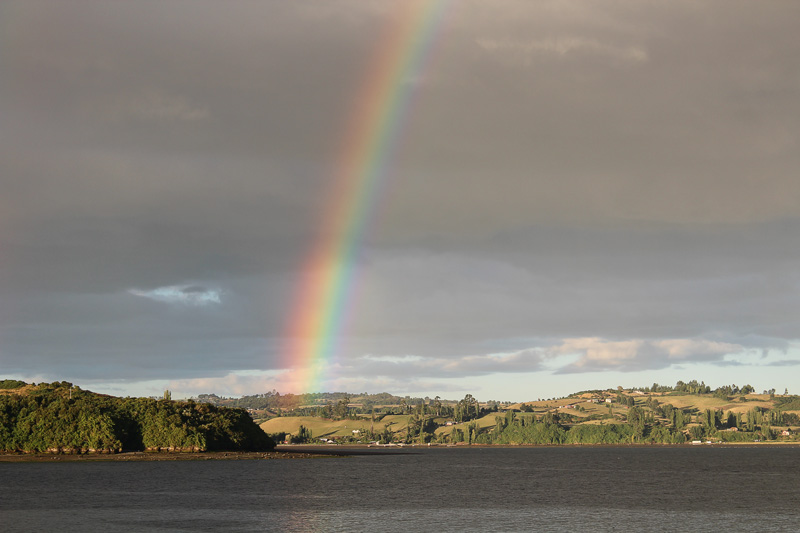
(603, 416)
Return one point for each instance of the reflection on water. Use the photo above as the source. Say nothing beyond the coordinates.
(462, 489)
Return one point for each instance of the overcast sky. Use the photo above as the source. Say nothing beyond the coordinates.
(584, 194)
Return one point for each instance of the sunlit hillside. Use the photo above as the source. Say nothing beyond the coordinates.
(661, 414)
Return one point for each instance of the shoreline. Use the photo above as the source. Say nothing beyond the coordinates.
(159, 456)
(312, 451)
(354, 449)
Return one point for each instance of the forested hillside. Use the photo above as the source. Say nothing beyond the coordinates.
(61, 418)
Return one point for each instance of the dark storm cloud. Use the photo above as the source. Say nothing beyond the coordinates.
(618, 171)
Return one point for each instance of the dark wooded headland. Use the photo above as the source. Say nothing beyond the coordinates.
(61, 418)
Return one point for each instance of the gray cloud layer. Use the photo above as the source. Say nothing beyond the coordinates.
(571, 170)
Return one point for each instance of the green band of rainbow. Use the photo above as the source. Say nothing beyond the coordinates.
(325, 295)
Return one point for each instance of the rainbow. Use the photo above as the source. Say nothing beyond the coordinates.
(324, 298)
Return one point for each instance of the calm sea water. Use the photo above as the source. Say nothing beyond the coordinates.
(446, 489)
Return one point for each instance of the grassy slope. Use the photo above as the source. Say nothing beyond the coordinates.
(325, 427)
(25, 389)
(487, 421)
